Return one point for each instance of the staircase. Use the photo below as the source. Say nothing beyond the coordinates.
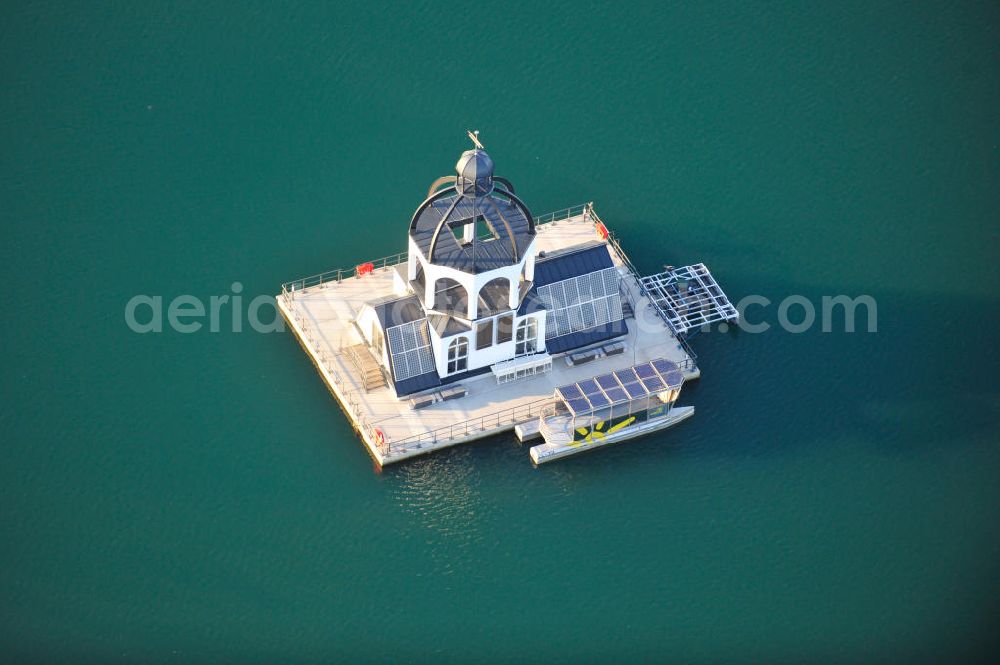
(368, 368)
(627, 311)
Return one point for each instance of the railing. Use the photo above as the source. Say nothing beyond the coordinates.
(340, 274)
(689, 363)
(634, 275)
(565, 213)
(490, 421)
(350, 397)
(364, 371)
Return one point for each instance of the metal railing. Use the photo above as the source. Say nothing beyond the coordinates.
(340, 274)
(365, 371)
(615, 243)
(565, 213)
(350, 398)
(512, 416)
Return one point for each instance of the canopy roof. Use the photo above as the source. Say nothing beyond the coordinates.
(621, 386)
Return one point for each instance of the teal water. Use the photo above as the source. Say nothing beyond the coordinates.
(200, 497)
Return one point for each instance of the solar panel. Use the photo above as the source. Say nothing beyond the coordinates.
(644, 370)
(635, 390)
(616, 395)
(585, 290)
(615, 308)
(601, 316)
(395, 338)
(626, 375)
(598, 400)
(653, 384)
(572, 291)
(674, 378)
(607, 381)
(409, 338)
(571, 391)
(610, 279)
(556, 294)
(409, 345)
(624, 385)
(663, 365)
(582, 302)
(562, 322)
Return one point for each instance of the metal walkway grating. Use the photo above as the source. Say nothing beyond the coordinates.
(689, 298)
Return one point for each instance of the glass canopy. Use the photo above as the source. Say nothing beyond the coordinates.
(624, 385)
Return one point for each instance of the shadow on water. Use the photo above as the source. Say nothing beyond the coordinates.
(926, 377)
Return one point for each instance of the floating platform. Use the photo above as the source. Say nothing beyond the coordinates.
(322, 312)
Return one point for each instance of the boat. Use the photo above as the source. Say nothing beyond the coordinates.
(610, 408)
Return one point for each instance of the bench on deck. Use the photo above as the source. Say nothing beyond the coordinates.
(613, 349)
(420, 401)
(581, 357)
(454, 392)
(426, 399)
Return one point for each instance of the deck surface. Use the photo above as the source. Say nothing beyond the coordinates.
(322, 315)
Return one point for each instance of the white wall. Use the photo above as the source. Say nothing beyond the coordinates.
(365, 320)
(490, 355)
(472, 283)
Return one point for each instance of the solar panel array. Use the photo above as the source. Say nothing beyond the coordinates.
(410, 346)
(582, 302)
(621, 386)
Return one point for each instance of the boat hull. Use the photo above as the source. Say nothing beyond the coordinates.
(548, 452)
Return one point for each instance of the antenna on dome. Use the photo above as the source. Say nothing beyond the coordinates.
(474, 137)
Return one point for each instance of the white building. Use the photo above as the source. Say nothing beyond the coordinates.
(475, 293)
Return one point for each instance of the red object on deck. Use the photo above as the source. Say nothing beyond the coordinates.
(379, 436)
(365, 268)
(602, 230)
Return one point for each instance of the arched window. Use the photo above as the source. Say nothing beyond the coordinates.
(450, 297)
(458, 355)
(526, 339)
(494, 296)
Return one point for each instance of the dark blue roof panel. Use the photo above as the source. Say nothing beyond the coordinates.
(397, 311)
(572, 264)
(417, 383)
(585, 337)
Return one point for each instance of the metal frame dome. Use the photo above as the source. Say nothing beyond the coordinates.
(473, 194)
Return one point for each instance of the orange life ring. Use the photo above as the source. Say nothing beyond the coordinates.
(365, 268)
(379, 438)
(602, 230)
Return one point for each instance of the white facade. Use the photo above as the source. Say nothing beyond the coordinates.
(436, 278)
(477, 358)
(371, 330)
